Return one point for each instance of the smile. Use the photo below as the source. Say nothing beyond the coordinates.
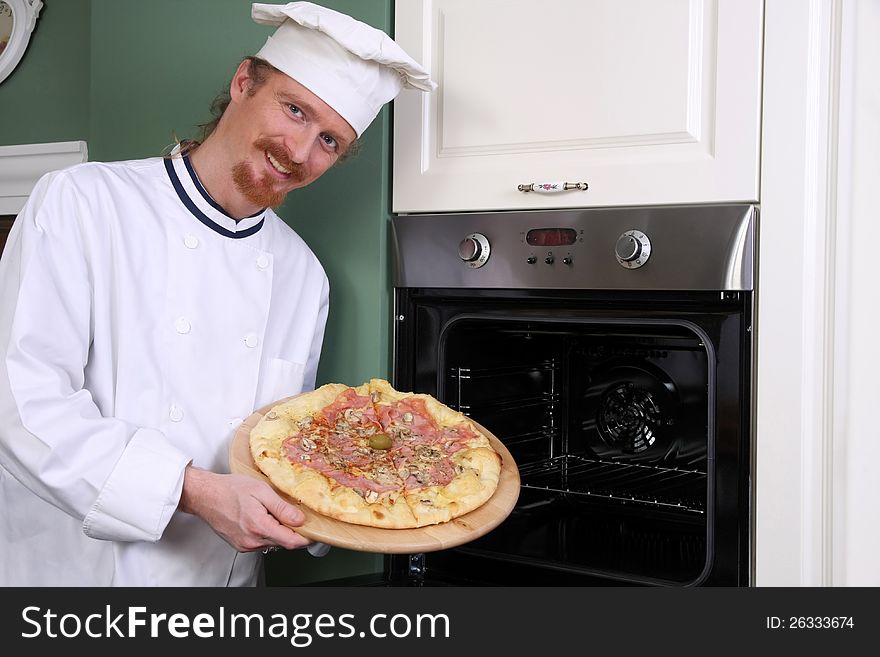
(277, 165)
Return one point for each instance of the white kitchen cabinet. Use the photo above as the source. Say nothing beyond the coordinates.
(646, 101)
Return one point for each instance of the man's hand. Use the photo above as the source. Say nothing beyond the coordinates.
(245, 512)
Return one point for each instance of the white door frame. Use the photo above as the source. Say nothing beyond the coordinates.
(814, 67)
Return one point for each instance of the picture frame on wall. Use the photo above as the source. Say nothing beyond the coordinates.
(17, 21)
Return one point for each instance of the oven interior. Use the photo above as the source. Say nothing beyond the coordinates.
(611, 423)
(608, 425)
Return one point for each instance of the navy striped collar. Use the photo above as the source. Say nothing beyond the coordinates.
(200, 204)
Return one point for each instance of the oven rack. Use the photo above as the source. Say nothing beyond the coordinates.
(499, 389)
(502, 370)
(543, 434)
(507, 404)
(672, 489)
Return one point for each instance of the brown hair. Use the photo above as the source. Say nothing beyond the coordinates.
(259, 71)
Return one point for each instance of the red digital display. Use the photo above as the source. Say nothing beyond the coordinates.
(551, 236)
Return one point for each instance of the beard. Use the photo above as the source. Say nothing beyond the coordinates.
(262, 190)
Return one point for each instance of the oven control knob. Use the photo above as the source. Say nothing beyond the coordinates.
(633, 249)
(474, 250)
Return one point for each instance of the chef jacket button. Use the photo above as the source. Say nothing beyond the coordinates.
(191, 241)
(182, 325)
(262, 261)
(251, 340)
(176, 413)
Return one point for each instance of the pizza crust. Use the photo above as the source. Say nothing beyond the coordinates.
(384, 394)
(478, 466)
(342, 503)
(466, 492)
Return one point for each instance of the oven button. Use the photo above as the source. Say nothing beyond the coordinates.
(474, 250)
(531, 260)
(633, 249)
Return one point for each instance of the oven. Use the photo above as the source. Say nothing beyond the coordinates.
(611, 351)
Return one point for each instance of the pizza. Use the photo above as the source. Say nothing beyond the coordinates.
(374, 456)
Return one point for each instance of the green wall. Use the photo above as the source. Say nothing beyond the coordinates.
(46, 98)
(127, 76)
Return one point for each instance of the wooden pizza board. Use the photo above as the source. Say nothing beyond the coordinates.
(334, 532)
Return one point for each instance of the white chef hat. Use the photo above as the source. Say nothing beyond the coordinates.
(352, 67)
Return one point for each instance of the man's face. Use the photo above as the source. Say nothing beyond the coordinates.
(287, 138)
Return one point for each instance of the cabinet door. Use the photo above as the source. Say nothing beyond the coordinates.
(646, 101)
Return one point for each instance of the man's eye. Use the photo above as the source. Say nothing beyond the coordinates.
(330, 141)
(296, 111)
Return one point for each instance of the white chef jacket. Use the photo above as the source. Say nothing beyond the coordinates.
(139, 324)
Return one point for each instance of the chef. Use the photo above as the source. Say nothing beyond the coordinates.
(148, 306)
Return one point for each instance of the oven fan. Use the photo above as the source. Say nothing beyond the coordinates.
(629, 418)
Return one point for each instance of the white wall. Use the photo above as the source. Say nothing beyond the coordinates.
(856, 456)
(817, 435)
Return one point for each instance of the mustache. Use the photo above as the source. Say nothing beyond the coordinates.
(297, 171)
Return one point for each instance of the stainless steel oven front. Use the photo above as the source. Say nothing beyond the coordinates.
(611, 351)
